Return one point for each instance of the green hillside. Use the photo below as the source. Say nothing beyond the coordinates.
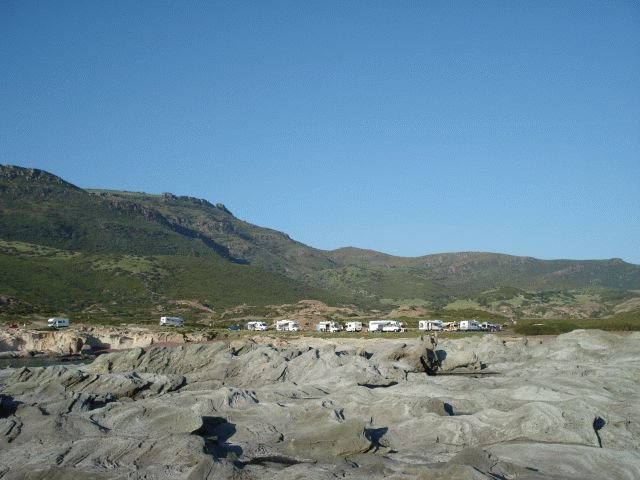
(43, 280)
(258, 246)
(104, 252)
(470, 272)
(374, 275)
(63, 249)
(42, 209)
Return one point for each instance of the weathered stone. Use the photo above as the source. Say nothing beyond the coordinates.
(563, 408)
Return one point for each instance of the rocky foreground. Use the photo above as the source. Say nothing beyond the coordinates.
(552, 408)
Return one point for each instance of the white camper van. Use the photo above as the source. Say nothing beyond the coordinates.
(57, 322)
(172, 321)
(469, 326)
(353, 327)
(257, 326)
(489, 327)
(287, 326)
(385, 326)
(430, 325)
(328, 326)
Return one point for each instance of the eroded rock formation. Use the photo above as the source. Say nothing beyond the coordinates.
(75, 341)
(563, 408)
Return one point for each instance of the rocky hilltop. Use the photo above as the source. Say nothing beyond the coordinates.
(538, 408)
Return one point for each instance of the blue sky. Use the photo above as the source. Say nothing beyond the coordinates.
(408, 127)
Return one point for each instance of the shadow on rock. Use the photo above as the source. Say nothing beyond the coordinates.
(374, 435)
(8, 406)
(378, 385)
(598, 424)
(432, 360)
(216, 432)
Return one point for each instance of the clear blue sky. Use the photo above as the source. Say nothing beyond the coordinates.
(408, 127)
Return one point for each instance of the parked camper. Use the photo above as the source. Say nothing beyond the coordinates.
(287, 326)
(394, 326)
(353, 327)
(376, 325)
(489, 327)
(469, 325)
(385, 326)
(57, 322)
(328, 326)
(171, 321)
(257, 326)
(430, 325)
(451, 326)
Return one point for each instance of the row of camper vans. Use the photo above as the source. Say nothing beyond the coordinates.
(293, 326)
(461, 326)
(333, 326)
(281, 326)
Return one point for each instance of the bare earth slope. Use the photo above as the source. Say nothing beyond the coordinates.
(554, 408)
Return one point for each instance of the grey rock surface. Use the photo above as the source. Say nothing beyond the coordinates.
(504, 408)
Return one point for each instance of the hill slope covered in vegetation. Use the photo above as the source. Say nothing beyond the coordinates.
(63, 248)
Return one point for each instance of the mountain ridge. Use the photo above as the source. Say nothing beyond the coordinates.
(38, 175)
(39, 208)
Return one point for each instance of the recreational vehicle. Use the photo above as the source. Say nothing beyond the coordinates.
(353, 327)
(287, 326)
(489, 327)
(385, 326)
(328, 326)
(430, 325)
(58, 322)
(171, 321)
(257, 326)
(469, 325)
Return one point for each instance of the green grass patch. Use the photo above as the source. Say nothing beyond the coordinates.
(24, 250)
(627, 321)
(127, 263)
(462, 305)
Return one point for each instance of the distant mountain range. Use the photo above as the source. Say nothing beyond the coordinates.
(102, 253)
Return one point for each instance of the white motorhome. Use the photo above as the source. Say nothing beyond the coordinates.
(58, 322)
(353, 327)
(287, 326)
(430, 325)
(171, 321)
(385, 326)
(258, 326)
(489, 327)
(328, 326)
(393, 326)
(469, 325)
